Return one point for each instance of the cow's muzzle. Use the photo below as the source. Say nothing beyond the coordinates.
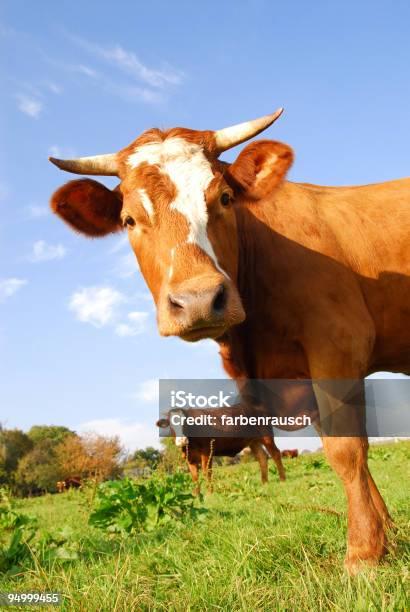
(196, 312)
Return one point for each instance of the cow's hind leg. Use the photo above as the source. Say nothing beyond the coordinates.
(274, 452)
(261, 456)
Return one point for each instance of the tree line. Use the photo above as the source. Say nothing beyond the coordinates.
(33, 462)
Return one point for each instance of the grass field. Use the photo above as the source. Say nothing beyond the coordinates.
(278, 547)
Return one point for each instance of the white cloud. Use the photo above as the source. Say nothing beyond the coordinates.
(96, 305)
(85, 70)
(82, 69)
(46, 252)
(56, 89)
(148, 391)
(103, 305)
(133, 94)
(34, 211)
(30, 106)
(137, 324)
(128, 62)
(10, 286)
(132, 434)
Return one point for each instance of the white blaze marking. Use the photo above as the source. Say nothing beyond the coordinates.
(146, 202)
(171, 267)
(191, 173)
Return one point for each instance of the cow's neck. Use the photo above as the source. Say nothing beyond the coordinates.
(261, 346)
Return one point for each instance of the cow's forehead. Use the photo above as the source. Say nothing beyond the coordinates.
(161, 152)
(187, 166)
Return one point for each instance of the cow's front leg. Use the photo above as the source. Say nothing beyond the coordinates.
(379, 503)
(366, 540)
(262, 458)
(342, 413)
(206, 461)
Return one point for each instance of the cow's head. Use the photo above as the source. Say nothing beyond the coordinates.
(176, 200)
(175, 429)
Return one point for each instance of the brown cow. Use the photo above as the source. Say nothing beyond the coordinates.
(199, 450)
(74, 482)
(291, 453)
(293, 280)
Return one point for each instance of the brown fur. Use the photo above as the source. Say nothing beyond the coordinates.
(322, 273)
(69, 483)
(88, 207)
(290, 454)
(260, 168)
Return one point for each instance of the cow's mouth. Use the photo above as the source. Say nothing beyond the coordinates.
(201, 333)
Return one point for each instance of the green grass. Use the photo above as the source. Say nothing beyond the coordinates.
(278, 547)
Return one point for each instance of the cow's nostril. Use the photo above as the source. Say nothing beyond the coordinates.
(219, 302)
(176, 302)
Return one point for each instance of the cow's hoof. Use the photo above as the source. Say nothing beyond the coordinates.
(358, 566)
(357, 561)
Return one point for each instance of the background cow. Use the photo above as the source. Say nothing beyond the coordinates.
(294, 281)
(291, 453)
(199, 451)
(74, 482)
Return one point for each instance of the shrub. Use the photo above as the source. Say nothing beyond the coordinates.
(126, 506)
(21, 540)
(16, 532)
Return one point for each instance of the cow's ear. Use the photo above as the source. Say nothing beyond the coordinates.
(162, 423)
(88, 207)
(260, 168)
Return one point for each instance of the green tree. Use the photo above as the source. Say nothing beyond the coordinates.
(53, 433)
(40, 469)
(148, 456)
(14, 444)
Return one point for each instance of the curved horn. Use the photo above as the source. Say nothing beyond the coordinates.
(231, 136)
(104, 165)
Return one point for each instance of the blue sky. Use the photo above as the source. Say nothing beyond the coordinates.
(77, 327)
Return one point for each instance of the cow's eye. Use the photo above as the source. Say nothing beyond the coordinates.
(129, 221)
(225, 198)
